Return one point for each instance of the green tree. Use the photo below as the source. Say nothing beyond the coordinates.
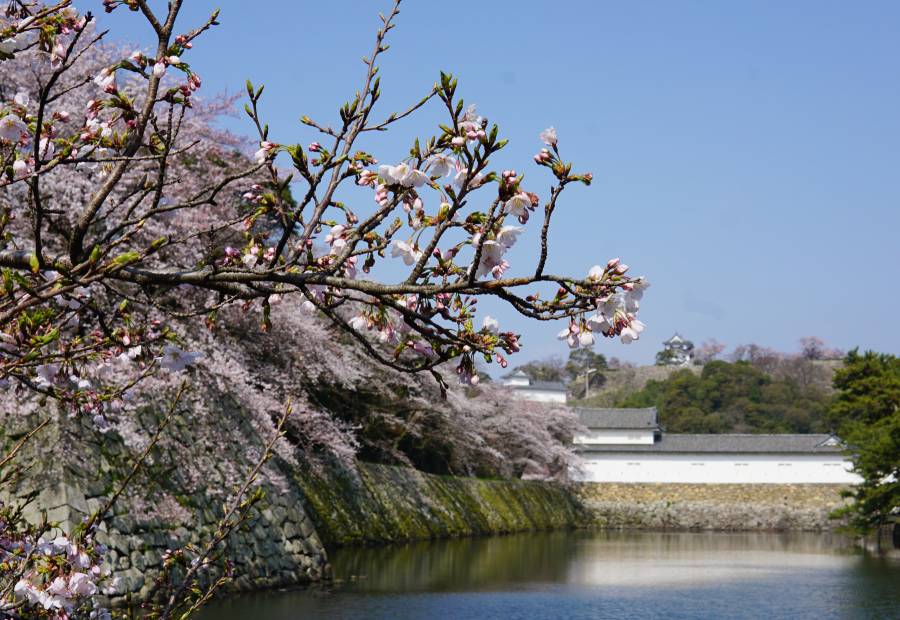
(583, 360)
(866, 411)
(547, 369)
(733, 397)
(585, 366)
(665, 357)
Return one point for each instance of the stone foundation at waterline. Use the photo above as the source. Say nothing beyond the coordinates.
(380, 504)
(712, 506)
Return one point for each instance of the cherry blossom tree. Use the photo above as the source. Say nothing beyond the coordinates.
(814, 348)
(129, 226)
(90, 276)
(708, 351)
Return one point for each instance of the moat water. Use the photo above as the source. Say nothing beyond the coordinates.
(576, 575)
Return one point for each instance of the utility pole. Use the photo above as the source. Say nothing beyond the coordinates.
(587, 382)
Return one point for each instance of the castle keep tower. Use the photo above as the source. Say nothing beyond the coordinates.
(677, 351)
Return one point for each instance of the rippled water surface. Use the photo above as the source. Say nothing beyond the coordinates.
(574, 575)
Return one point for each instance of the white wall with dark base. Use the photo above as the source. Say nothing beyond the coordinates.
(716, 468)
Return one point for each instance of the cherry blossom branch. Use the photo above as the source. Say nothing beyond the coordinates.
(98, 514)
(239, 508)
(12, 453)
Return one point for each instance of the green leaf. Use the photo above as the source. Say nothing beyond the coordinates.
(124, 259)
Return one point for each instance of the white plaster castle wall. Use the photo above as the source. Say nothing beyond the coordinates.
(541, 396)
(716, 468)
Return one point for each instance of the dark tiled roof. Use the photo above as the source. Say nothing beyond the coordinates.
(546, 386)
(516, 373)
(747, 444)
(617, 418)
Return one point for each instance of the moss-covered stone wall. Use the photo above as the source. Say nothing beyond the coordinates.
(381, 504)
(72, 473)
(712, 506)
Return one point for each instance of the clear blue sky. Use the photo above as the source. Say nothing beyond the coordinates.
(746, 156)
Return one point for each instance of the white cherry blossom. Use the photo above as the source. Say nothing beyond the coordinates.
(548, 136)
(337, 238)
(490, 324)
(80, 584)
(12, 127)
(586, 338)
(491, 259)
(519, 204)
(600, 323)
(105, 78)
(595, 273)
(414, 178)
(359, 323)
(394, 175)
(176, 360)
(632, 332)
(407, 252)
(508, 235)
(570, 335)
(441, 164)
(21, 168)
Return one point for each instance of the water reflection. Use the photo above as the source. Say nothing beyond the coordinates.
(575, 575)
(629, 559)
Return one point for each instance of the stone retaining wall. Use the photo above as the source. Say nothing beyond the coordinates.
(382, 504)
(712, 506)
(277, 546)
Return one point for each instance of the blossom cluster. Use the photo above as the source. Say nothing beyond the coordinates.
(615, 314)
(54, 578)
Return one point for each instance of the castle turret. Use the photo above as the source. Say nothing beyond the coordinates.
(677, 351)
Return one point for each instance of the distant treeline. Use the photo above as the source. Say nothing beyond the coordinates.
(739, 397)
